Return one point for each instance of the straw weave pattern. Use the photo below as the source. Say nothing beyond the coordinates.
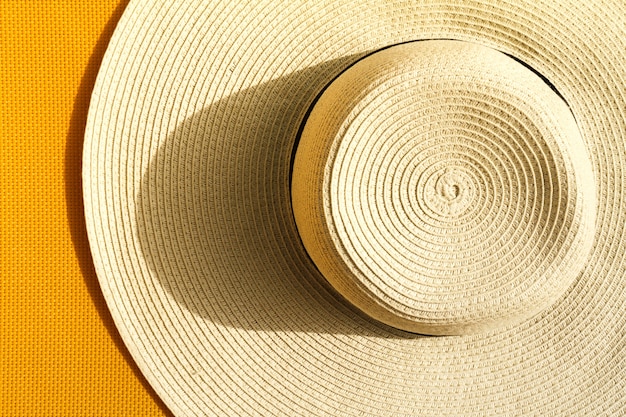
(191, 130)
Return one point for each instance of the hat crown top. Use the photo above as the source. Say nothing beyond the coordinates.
(443, 188)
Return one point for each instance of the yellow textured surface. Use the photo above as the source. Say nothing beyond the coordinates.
(61, 354)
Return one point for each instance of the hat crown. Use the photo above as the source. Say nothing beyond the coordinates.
(443, 188)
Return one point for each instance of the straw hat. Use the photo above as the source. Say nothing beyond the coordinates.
(286, 201)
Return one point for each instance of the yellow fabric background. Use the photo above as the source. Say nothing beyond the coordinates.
(61, 354)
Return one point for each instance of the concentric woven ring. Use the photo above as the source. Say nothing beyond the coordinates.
(189, 142)
(444, 188)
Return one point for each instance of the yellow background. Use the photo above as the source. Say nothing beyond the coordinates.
(61, 354)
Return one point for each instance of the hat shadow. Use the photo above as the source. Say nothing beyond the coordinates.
(214, 218)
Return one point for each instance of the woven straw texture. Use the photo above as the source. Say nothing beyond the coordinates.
(190, 142)
(445, 199)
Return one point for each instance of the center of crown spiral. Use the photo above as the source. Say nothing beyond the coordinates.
(450, 186)
(443, 188)
(448, 192)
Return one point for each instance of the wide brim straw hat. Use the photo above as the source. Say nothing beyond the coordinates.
(365, 208)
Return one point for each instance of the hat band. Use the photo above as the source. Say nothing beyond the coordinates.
(444, 188)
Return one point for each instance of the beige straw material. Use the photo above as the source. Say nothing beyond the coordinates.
(444, 188)
(190, 141)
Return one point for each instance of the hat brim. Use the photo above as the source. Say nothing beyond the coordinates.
(188, 148)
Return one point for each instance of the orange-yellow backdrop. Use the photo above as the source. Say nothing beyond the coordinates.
(61, 354)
